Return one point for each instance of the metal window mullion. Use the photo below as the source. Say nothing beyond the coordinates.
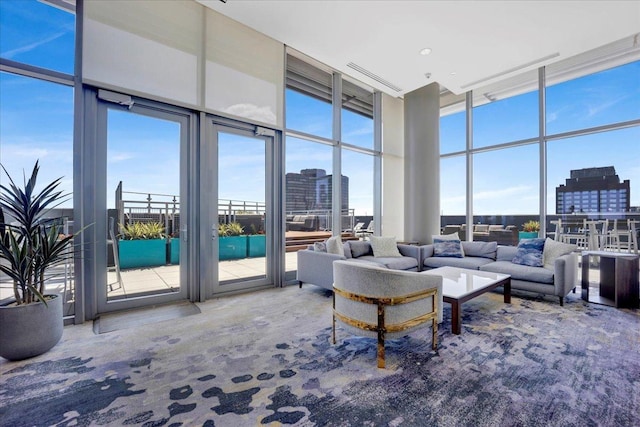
(336, 180)
(542, 131)
(469, 138)
(377, 162)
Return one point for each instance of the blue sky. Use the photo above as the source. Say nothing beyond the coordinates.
(36, 123)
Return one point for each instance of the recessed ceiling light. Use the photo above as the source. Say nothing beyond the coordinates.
(425, 51)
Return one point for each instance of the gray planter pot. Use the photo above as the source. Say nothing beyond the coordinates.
(30, 330)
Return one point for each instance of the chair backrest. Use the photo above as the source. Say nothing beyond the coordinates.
(368, 280)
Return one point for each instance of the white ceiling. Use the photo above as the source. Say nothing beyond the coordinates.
(474, 43)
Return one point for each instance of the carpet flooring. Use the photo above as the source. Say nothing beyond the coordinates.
(265, 358)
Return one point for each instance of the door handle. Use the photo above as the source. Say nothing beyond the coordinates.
(214, 231)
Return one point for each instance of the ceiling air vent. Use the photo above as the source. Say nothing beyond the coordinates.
(373, 76)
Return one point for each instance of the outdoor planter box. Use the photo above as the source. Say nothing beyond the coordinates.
(174, 250)
(256, 245)
(527, 235)
(142, 253)
(232, 247)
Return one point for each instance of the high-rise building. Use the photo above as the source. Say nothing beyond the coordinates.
(593, 190)
(311, 189)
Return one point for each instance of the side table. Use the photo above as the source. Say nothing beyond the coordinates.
(619, 284)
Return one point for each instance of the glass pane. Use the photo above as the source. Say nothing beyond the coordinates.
(505, 193)
(453, 135)
(357, 192)
(594, 176)
(36, 123)
(309, 115)
(308, 195)
(506, 120)
(610, 96)
(241, 208)
(357, 115)
(143, 205)
(37, 34)
(357, 129)
(453, 194)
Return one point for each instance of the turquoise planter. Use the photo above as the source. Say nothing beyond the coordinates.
(256, 245)
(527, 235)
(174, 247)
(233, 247)
(142, 253)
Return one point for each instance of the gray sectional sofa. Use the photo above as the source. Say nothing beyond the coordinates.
(489, 256)
(316, 267)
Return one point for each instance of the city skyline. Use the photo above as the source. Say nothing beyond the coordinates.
(37, 123)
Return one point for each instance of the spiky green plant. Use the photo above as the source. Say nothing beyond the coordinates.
(235, 229)
(142, 231)
(33, 243)
(531, 226)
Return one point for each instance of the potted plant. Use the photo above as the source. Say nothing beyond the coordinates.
(232, 243)
(142, 244)
(530, 230)
(30, 246)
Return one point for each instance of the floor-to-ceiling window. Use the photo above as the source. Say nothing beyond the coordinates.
(37, 44)
(591, 132)
(330, 151)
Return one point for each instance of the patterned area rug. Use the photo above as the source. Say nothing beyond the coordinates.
(265, 358)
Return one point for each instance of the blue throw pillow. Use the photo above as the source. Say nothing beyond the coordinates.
(447, 248)
(529, 252)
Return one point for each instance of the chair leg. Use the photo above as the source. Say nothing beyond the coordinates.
(574, 290)
(380, 349)
(434, 334)
(561, 301)
(300, 285)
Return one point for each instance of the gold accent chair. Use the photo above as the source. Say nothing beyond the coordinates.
(376, 302)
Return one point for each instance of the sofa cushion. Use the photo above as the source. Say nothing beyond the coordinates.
(553, 250)
(447, 248)
(384, 246)
(360, 248)
(467, 262)
(520, 272)
(320, 246)
(481, 228)
(452, 236)
(480, 249)
(334, 246)
(529, 252)
(394, 263)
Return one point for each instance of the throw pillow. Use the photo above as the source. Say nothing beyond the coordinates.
(447, 248)
(529, 252)
(334, 246)
(384, 246)
(452, 236)
(553, 250)
(320, 247)
(360, 248)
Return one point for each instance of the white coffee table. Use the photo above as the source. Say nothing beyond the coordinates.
(461, 284)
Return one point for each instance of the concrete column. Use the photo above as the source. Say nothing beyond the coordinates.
(422, 163)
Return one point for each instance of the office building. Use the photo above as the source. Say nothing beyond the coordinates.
(593, 190)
